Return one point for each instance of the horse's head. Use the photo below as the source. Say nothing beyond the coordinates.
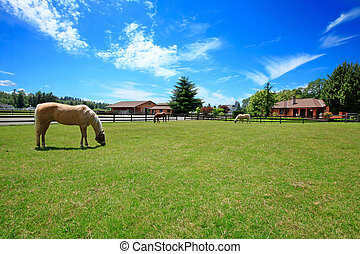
(101, 138)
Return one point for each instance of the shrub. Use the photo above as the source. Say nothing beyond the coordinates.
(206, 110)
(327, 115)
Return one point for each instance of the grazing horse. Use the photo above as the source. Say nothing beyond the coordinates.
(80, 115)
(241, 117)
(158, 115)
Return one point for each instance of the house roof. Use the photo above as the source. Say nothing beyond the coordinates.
(127, 104)
(161, 106)
(301, 103)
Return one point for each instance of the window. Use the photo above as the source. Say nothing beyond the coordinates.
(281, 111)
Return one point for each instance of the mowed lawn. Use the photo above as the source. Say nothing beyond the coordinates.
(193, 179)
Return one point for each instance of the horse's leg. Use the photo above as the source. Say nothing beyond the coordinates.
(37, 139)
(83, 135)
(43, 132)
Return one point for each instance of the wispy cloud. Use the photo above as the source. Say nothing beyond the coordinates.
(278, 66)
(44, 15)
(262, 44)
(344, 17)
(331, 40)
(200, 49)
(191, 28)
(257, 77)
(227, 78)
(7, 83)
(5, 72)
(141, 53)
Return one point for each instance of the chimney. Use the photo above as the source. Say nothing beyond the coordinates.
(293, 100)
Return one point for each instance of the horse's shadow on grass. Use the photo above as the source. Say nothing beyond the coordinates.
(49, 148)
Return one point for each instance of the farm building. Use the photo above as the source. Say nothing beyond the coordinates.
(124, 107)
(5, 106)
(161, 107)
(310, 108)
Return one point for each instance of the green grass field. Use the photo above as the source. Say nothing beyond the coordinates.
(193, 179)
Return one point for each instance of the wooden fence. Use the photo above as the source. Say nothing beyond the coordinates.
(8, 117)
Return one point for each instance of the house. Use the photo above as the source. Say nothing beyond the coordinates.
(125, 107)
(309, 107)
(161, 107)
(6, 106)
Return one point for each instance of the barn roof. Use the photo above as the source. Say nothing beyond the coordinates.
(301, 103)
(127, 104)
(161, 106)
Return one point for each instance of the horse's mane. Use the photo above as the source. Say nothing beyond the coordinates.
(96, 123)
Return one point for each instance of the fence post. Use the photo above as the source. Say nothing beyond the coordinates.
(225, 118)
(113, 118)
(303, 119)
(145, 116)
(280, 119)
(184, 117)
(260, 118)
(131, 117)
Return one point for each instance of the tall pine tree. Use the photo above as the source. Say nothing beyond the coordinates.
(183, 99)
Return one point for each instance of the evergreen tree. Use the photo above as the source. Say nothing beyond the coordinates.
(20, 101)
(183, 99)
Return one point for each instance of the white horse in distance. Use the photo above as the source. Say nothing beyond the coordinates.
(241, 117)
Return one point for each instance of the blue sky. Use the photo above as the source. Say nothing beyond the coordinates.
(136, 50)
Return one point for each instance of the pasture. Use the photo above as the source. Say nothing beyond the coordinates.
(185, 179)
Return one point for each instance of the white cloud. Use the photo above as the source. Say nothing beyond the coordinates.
(257, 77)
(344, 17)
(8, 73)
(199, 49)
(141, 53)
(190, 28)
(214, 98)
(7, 83)
(279, 66)
(330, 41)
(59, 24)
(227, 78)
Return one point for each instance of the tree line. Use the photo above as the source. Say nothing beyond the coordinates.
(340, 91)
(20, 99)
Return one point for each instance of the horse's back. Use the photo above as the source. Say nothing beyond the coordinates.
(62, 113)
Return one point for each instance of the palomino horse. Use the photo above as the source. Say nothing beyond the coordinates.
(158, 115)
(80, 115)
(241, 117)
